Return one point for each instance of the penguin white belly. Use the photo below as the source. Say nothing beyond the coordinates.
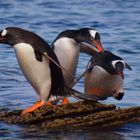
(100, 83)
(37, 73)
(67, 52)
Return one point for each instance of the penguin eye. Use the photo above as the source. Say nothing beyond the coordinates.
(115, 62)
(3, 32)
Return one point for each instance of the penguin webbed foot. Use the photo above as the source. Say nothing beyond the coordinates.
(32, 108)
(65, 101)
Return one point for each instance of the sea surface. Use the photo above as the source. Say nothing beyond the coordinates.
(117, 21)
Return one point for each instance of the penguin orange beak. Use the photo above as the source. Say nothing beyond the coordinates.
(88, 47)
(98, 45)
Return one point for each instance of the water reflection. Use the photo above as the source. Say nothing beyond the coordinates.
(61, 134)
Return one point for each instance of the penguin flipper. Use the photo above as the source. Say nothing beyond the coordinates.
(78, 95)
(38, 55)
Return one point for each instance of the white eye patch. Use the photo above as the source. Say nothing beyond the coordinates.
(92, 33)
(116, 61)
(4, 32)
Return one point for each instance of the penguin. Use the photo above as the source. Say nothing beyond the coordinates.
(104, 76)
(69, 43)
(33, 54)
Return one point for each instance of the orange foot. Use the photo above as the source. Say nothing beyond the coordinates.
(49, 103)
(65, 101)
(33, 107)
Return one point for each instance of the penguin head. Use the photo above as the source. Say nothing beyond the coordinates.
(118, 67)
(14, 35)
(89, 37)
(86, 37)
(10, 35)
(111, 63)
(4, 36)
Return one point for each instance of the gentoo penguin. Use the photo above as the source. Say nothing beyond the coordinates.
(33, 54)
(68, 45)
(104, 76)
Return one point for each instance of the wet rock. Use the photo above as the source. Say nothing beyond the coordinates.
(73, 115)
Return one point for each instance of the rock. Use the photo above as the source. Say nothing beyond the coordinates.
(73, 115)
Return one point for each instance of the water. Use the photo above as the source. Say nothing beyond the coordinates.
(118, 23)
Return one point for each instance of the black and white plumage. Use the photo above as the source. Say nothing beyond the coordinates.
(104, 76)
(68, 44)
(32, 53)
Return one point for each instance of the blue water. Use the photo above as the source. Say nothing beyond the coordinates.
(118, 23)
